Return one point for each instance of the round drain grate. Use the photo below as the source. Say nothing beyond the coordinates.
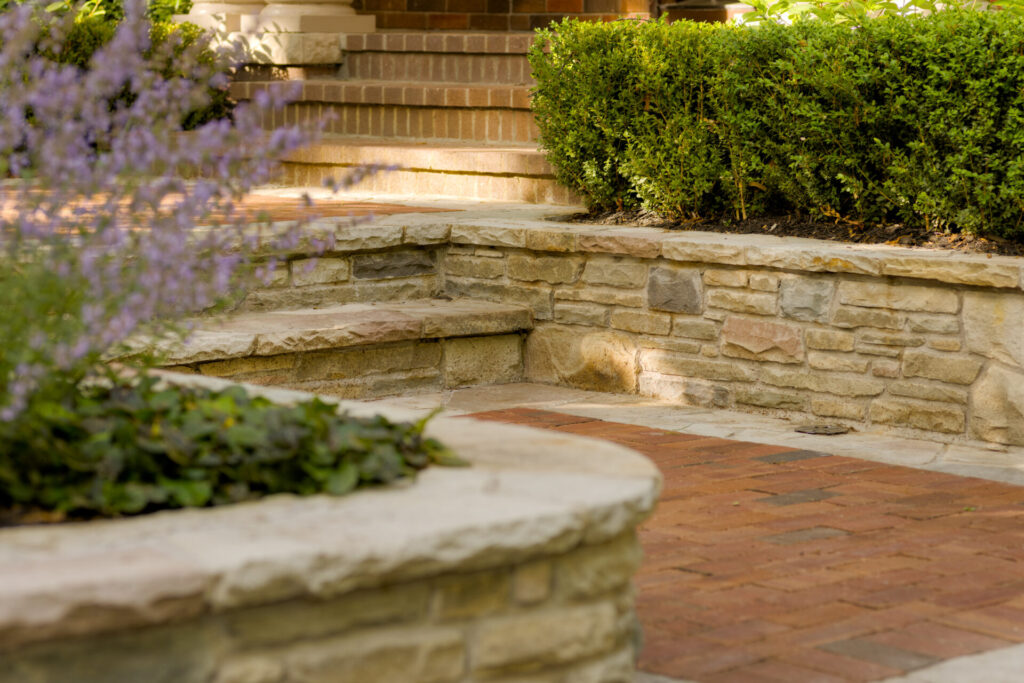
(826, 430)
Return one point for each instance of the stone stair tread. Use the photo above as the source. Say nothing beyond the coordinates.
(432, 155)
(471, 42)
(271, 333)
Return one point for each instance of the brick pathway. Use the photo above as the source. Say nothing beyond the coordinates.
(766, 563)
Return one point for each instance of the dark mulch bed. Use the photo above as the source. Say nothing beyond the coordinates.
(804, 226)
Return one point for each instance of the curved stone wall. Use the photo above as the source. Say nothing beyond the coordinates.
(515, 567)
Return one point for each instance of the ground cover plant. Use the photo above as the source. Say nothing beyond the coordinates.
(102, 239)
(908, 120)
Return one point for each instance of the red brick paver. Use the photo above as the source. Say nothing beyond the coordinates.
(765, 563)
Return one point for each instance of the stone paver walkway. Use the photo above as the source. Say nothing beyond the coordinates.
(767, 563)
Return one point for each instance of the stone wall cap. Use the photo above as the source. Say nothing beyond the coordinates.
(270, 333)
(528, 493)
(784, 253)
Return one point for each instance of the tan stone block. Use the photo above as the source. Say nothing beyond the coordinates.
(829, 340)
(709, 351)
(615, 271)
(833, 407)
(469, 318)
(993, 324)
(602, 295)
(668, 363)
(685, 390)
(624, 242)
(822, 382)
(695, 328)
(537, 298)
(815, 259)
(839, 362)
(845, 316)
(427, 233)
(473, 266)
(365, 237)
(319, 271)
(932, 417)
(889, 338)
(769, 398)
(300, 619)
(983, 272)
(483, 360)
(687, 248)
(279, 276)
(462, 596)
(997, 406)
(938, 324)
(372, 386)
(360, 362)
(551, 239)
(763, 282)
(632, 320)
(489, 235)
(581, 313)
(945, 344)
(885, 368)
(941, 366)
(670, 344)
(720, 277)
(596, 360)
(761, 340)
(489, 252)
(531, 582)
(878, 350)
(874, 294)
(314, 330)
(411, 654)
(595, 570)
(245, 367)
(757, 303)
(549, 637)
(551, 269)
(928, 391)
(253, 669)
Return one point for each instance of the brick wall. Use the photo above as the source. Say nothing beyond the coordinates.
(493, 15)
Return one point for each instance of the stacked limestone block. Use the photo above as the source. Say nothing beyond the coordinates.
(740, 322)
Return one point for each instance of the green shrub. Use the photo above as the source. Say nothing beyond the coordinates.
(82, 37)
(914, 119)
(126, 448)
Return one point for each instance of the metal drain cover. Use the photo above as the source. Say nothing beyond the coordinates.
(826, 430)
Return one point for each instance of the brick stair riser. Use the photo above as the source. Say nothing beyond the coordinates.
(438, 67)
(533, 190)
(497, 126)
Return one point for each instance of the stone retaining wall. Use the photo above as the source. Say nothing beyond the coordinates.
(517, 568)
(926, 342)
(921, 341)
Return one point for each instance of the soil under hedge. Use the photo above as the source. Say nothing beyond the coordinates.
(803, 226)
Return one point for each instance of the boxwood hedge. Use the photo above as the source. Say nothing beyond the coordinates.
(909, 119)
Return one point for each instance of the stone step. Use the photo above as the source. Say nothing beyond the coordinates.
(362, 350)
(452, 57)
(498, 173)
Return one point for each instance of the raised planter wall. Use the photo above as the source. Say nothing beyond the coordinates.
(923, 341)
(517, 568)
(927, 342)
